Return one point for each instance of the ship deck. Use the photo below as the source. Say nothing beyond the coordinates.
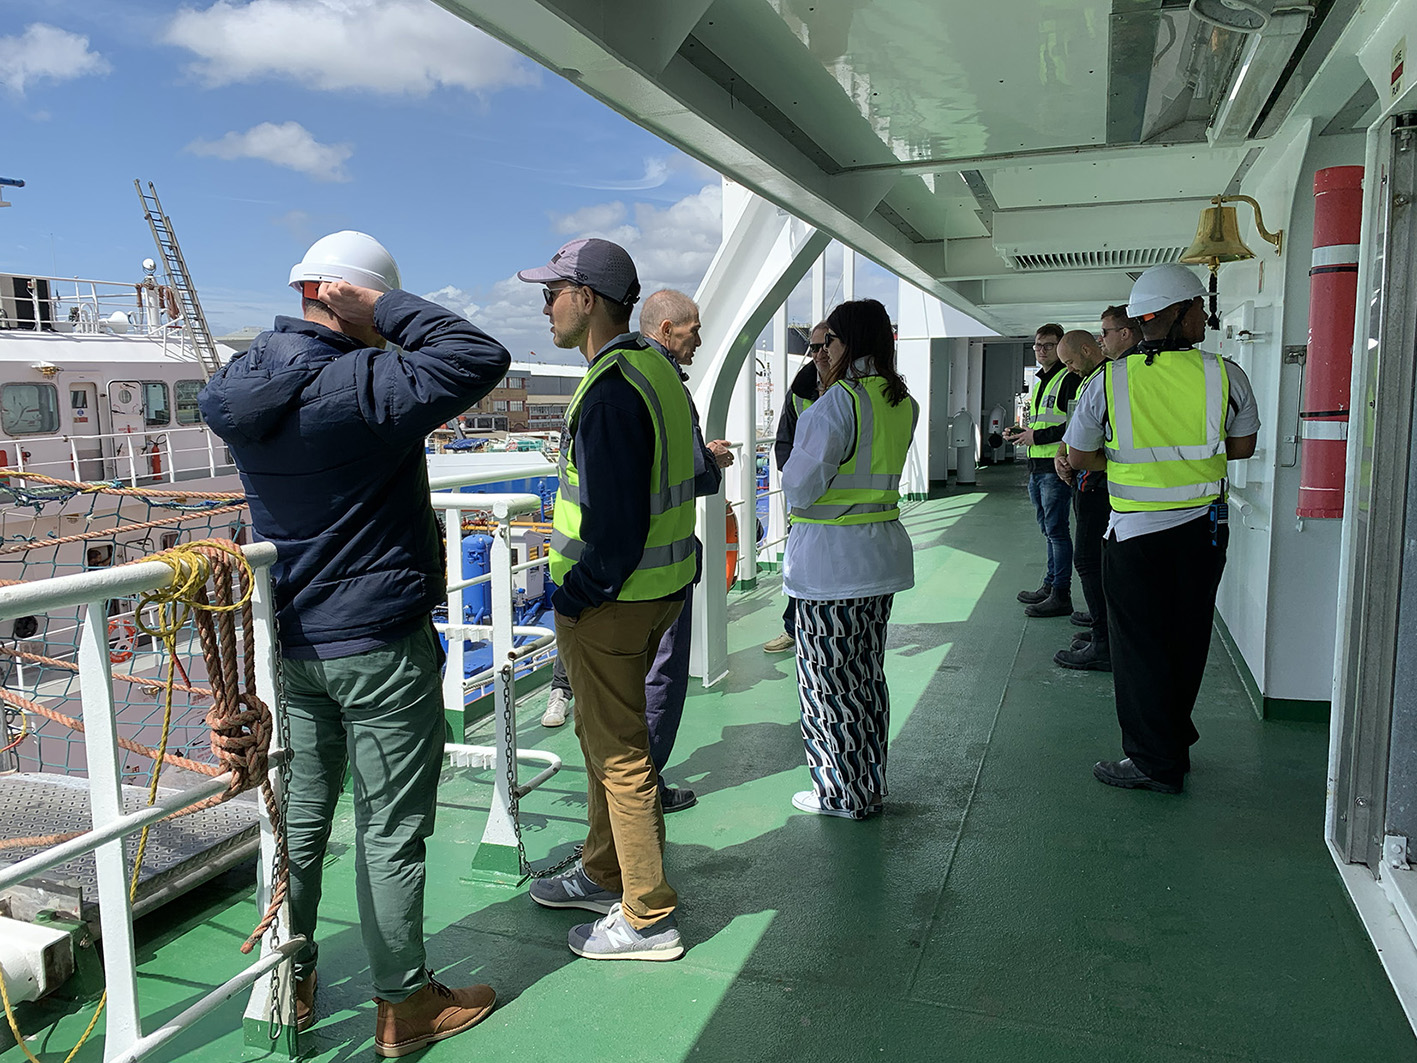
(1005, 907)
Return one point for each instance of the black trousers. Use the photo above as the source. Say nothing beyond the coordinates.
(1091, 510)
(1160, 591)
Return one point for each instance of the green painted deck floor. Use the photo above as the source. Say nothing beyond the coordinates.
(1006, 907)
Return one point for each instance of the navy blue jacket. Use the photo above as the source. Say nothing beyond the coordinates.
(328, 436)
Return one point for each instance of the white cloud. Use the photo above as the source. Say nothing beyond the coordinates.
(289, 144)
(672, 247)
(46, 53)
(398, 47)
(456, 300)
(597, 218)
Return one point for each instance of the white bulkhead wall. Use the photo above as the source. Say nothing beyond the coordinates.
(1279, 598)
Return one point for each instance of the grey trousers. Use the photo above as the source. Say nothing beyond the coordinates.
(380, 712)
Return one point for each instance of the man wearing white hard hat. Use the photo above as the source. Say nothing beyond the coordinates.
(326, 426)
(1163, 420)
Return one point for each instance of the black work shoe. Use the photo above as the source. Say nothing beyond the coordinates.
(1031, 597)
(677, 798)
(1089, 657)
(1081, 639)
(1053, 605)
(1128, 776)
(1080, 618)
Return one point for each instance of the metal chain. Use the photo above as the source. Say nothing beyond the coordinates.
(276, 1026)
(506, 677)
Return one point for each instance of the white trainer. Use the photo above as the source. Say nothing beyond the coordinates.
(558, 707)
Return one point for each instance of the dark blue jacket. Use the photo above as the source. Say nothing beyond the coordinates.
(328, 437)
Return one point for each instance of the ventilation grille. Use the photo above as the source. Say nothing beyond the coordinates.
(1121, 258)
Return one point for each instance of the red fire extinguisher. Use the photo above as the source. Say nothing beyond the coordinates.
(1333, 299)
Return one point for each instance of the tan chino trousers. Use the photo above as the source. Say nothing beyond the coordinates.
(608, 651)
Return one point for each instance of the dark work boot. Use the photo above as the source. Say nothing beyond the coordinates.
(1089, 656)
(1081, 639)
(1080, 618)
(1033, 597)
(1059, 603)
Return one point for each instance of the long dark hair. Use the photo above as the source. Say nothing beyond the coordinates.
(864, 329)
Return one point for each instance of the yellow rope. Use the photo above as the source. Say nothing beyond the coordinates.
(190, 571)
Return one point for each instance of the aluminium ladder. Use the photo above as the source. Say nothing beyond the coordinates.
(194, 321)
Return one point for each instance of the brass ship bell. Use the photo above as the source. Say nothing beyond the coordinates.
(1218, 241)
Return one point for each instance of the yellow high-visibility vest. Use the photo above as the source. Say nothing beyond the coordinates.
(1166, 430)
(866, 487)
(668, 561)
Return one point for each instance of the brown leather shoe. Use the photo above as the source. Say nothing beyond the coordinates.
(305, 1002)
(431, 1014)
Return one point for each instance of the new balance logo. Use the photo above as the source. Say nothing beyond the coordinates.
(620, 935)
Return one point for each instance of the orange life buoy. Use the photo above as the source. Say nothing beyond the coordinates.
(169, 301)
(121, 636)
(732, 554)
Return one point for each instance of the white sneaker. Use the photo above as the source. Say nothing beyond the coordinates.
(558, 707)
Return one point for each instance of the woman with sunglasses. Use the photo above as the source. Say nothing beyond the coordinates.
(847, 557)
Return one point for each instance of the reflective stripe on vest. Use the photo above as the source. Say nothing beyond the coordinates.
(866, 488)
(1166, 428)
(668, 562)
(1044, 412)
(800, 403)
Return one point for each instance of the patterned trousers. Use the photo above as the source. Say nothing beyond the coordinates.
(846, 706)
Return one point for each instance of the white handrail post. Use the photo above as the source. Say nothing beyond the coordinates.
(211, 451)
(269, 1021)
(124, 1026)
(171, 464)
(453, 697)
(497, 855)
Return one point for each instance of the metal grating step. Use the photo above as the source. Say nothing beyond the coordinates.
(182, 853)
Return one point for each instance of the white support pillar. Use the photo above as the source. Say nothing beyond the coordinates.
(123, 1027)
(269, 1019)
(781, 395)
(819, 288)
(848, 274)
(918, 323)
(764, 254)
(740, 479)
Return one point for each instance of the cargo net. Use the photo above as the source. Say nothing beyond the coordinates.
(54, 528)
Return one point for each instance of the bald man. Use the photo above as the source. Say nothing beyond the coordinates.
(1081, 353)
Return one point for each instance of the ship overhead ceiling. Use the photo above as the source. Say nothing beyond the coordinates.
(951, 141)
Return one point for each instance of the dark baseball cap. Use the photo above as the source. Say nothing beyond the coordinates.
(600, 265)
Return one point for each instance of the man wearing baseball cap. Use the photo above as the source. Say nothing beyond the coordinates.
(622, 555)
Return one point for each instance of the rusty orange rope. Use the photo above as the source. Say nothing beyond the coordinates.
(108, 533)
(85, 487)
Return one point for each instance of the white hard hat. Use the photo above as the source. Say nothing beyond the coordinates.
(347, 256)
(1160, 287)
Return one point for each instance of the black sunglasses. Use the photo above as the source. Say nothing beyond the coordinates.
(813, 348)
(550, 294)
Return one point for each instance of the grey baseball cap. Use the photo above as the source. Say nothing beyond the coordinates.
(600, 265)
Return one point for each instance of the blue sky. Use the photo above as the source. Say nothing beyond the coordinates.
(266, 124)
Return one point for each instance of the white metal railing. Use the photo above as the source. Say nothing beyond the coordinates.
(140, 458)
(123, 1033)
(499, 849)
(84, 307)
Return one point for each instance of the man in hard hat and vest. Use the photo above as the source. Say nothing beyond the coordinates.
(806, 388)
(1162, 422)
(327, 428)
(669, 320)
(1053, 389)
(1079, 351)
(622, 556)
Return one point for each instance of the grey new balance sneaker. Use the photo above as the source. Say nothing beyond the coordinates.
(613, 938)
(573, 889)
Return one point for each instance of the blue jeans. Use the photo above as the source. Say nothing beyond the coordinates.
(1051, 499)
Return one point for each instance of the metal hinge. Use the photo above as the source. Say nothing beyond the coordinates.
(1295, 353)
(1395, 850)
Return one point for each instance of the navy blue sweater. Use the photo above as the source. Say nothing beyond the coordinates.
(328, 438)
